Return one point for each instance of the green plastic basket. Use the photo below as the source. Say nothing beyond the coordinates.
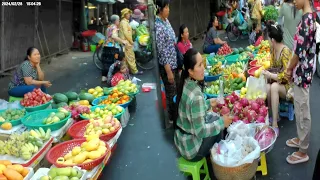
(38, 108)
(34, 120)
(234, 58)
(13, 122)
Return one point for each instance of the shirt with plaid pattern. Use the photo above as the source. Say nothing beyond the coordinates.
(24, 70)
(192, 112)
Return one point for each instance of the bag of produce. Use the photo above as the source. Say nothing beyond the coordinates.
(241, 129)
(256, 88)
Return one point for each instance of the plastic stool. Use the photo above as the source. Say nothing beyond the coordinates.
(263, 164)
(194, 168)
(13, 99)
(286, 109)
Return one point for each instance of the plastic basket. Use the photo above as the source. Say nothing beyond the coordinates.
(118, 116)
(34, 120)
(13, 122)
(76, 131)
(252, 70)
(63, 148)
(212, 78)
(234, 58)
(38, 108)
(93, 48)
(97, 101)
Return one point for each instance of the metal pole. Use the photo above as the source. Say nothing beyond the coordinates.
(155, 61)
(59, 24)
(2, 39)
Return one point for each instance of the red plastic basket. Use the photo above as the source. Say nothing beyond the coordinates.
(252, 70)
(63, 148)
(76, 131)
(89, 33)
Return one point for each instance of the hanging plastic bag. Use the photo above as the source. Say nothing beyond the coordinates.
(257, 88)
(3, 104)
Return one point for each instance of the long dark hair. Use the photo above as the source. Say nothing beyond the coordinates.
(181, 30)
(210, 23)
(29, 52)
(274, 31)
(189, 62)
(161, 4)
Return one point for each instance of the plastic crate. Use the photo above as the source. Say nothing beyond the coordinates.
(98, 37)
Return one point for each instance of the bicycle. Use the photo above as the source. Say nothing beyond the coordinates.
(97, 55)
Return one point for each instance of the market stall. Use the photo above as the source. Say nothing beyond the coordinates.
(68, 135)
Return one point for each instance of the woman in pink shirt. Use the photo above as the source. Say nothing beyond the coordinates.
(184, 43)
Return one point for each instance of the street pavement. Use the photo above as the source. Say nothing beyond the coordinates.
(145, 150)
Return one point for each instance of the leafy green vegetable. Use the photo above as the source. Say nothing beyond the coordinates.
(270, 13)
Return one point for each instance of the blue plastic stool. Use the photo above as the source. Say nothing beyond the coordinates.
(286, 109)
(13, 99)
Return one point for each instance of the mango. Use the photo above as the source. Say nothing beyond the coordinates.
(102, 149)
(68, 156)
(94, 155)
(2, 168)
(68, 162)
(6, 126)
(52, 173)
(16, 167)
(74, 172)
(61, 178)
(92, 145)
(45, 178)
(64, 171)
(78, 159)
(76, 151)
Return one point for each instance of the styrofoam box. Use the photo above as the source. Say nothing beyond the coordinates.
(44, 172)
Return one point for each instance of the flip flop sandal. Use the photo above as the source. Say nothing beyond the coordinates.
(299, 159)
(292, 143)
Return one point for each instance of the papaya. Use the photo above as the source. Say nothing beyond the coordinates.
(25, 172)
(16, 167)
(12, 174)
(2, 177)
(5, 162)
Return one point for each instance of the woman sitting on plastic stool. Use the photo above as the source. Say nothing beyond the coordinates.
(212, 42)
(28, 76)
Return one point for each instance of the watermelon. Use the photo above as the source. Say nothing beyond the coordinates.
(54, 106)
(59, 98)
(235, 51)
(240, 50)
(62, 104)
(71, 95)
(86, 96)
(248, 49)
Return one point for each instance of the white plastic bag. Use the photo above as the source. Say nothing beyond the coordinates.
(255, 154)
(257, 87)
(3, 104)
(135, 80)
(241, 129)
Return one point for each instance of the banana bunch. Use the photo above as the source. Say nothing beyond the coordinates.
(27, 150)
(236, 67)
(40, 134)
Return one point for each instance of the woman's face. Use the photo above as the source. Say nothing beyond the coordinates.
(197, 72)
(123, 69)
(215, 22)
(299, 3)
(117, 22)
(127, 16)
(185, 35)
(35, 56)
(165, 12)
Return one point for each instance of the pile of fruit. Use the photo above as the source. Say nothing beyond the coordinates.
(237, 50)
(12, 114)
(76, 110)
(224, 50)
(56, 117)
(243, 109)
(67, 173)
(216, 69)
(229, 85)
(237, 68)
(215, 59)
(96, 92)
(24, 145)
(102, 126)
(63, 99)
(35, 98)
(256, 94)
(103, 112)
(8, 171)
(126, 87)
(92, 149)
(263, 59)
(115, 97)
(243, 92)
(264, 47)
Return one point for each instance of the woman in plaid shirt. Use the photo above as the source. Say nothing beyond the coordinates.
(196, 128)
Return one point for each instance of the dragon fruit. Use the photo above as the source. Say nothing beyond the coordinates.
(264, 137)
(260, 101)
(244, 102)
(255, 106)
(263, 111)
(237, 108)
(230, 99)
(224, 110)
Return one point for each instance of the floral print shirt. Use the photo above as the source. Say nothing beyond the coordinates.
(165, 43)
(24, 70)
(305, 48)
(112, 31)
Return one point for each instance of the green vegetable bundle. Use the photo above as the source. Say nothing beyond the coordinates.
(142, 30)
(270, 13)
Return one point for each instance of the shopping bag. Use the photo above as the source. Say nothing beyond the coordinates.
(256, 88)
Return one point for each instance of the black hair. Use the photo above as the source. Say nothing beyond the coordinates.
(294, 9)
(181, 30)
(120, 55)
(274, 31)
(189, 62)
(117, 67)
(29, 52)
(161, 4)
(211, 21)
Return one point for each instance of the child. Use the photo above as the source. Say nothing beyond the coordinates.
(119, 57)
(120, 72)
(252, 37)
(259, 38)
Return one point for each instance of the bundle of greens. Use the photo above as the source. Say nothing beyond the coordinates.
(270, 13)
(142, 30)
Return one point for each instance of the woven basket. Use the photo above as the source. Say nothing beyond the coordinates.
(243, 172)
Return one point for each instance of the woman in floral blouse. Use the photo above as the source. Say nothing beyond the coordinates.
(278, 85)
(302, 67)
(167, 55)
(197, 128)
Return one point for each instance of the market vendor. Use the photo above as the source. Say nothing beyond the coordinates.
(278, 84)
(184, 43)
(196, 128)
(28, 75)
(212, 42)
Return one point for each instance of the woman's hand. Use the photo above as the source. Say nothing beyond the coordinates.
(266, 73)
(170, 77)
(227, 119)
(213, 102)
(47, 84)
(288, 73)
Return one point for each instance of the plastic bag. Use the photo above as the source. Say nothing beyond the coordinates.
(134, 24)
(14, 105)
(265, 137)
(255, 154)
(257, 88)
(241, 129)
(3, 104)
(135, 80)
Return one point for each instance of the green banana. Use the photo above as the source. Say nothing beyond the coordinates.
(48, 134)
(43, 134)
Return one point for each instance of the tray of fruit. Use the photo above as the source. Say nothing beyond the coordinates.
(105, 128)
(103, 111)
(115, 97)
(84, 153)
(68, 173)
(13, 116)
(26, 147)
(14, 171)
(52, 119)
(36, 100)
(96, 92)
(126, 87)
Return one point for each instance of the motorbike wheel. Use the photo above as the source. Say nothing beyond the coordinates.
(97, 58)
(233, 32)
